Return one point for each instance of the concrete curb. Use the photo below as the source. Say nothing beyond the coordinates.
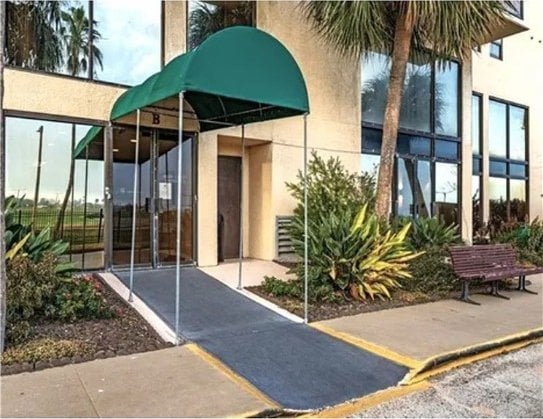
(441, 363)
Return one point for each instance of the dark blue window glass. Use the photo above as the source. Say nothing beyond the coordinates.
(476, 166)
(446, 150)
(498, 168)
(371, 140)
(517, 170)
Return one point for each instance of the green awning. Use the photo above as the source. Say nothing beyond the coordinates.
(89, 137)
(237, 76)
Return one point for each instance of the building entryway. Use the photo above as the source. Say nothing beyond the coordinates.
(294, 364)
(156, 197)
(229, 199)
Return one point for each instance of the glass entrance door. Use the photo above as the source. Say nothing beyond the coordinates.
(414, 187)
(156, 197)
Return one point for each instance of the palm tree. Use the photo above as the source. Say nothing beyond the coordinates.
(403, 30)
(206, 19)
(78, 38)
(34, 39)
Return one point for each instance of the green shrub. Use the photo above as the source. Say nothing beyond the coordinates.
(359, 258)
(35, 290)
(29, 285)
(77, 298)
(431, 274)
(43, 350)
(429, 233)
(527, 240)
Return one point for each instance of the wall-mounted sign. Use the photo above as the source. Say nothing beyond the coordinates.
(165, 190)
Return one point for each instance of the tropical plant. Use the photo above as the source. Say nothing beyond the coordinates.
(359, 257)
(428, 233)
(526, 238)
(23, 240)
(431, 274)
(403, 29)
(77, 41)
(206, 19)
(34, 40)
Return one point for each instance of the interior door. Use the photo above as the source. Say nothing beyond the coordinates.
(229, 198)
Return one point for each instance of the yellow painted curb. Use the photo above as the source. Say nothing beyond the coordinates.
(415, 377)
(352, 407)
(238, 379)
(369, 346)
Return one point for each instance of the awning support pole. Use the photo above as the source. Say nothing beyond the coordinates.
(306, 282)
(178, 229)
(240, 274)
(134, 206)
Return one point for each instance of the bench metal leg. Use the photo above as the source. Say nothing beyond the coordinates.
(522, 285)
(464, 296)
(494, 291)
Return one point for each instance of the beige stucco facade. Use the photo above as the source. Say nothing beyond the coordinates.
(274, 150)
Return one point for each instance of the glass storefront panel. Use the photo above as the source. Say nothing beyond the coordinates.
(517, 133)
(517, 200)
(375, 77)
(497, 136)
(423, 189)
(476, 124)
(208, 17)
(497, 195)
(129, 41)
(48, 35)
(406, 175)
(370, 164)
(415, 111)
(42, 183)
(446, 192)
(477, 208)
(446, 99)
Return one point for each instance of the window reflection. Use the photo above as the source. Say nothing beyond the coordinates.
(497, 129)
(82, 223)
(517, 200)
(130, 40)
(370, 164)
(477, 208)
(446, 179)
(208, 17)
(415, 111)
(446, 99)
(476, 124)
(517, 133)
(406, 174)
(497, 195)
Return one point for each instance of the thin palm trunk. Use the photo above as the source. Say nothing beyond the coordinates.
(60, 219)
(3, 278)
(400, 54)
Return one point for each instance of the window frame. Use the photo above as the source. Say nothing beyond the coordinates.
(499, 44)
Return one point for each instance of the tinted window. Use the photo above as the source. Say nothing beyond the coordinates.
(446, 149)
(476, 166)
(497, 129)
(371, 140)
(475, 124)
(415, 111)
(446, 99)
(208, 17)
(375, 76)
(130, 40)
(370, 164)
(497, 168)
(517, 133)
(517, 170)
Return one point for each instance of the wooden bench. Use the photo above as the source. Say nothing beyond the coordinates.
(489, 263)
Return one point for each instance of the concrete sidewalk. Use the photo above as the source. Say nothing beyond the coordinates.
(174, 382)
(416, 333)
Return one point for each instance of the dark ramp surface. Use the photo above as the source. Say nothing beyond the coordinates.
(295, 365)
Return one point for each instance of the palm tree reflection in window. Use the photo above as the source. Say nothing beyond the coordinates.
(208, 17)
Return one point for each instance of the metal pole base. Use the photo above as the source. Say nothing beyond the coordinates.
(464, 296)
(522, 285)
(494, 291)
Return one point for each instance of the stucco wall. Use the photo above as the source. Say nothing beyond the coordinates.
(517, 79)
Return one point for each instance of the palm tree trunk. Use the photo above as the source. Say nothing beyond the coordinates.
(402, 45)
(62, 212)
(3, 278)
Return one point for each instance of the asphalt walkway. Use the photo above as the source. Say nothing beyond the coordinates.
(295, 365)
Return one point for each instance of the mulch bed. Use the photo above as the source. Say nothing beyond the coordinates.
(325, 311)
(125, 334)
